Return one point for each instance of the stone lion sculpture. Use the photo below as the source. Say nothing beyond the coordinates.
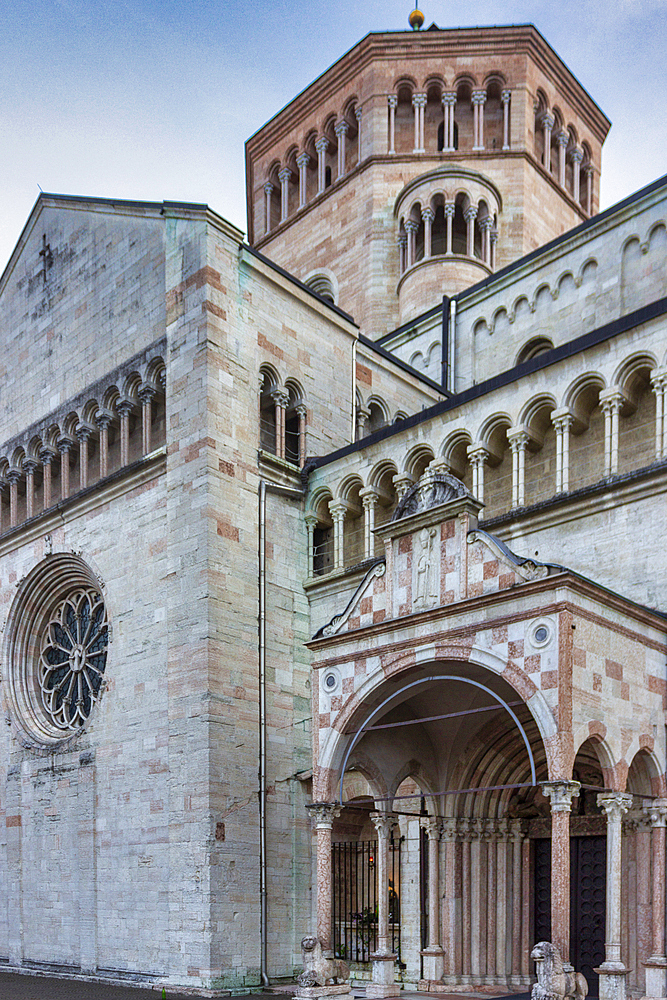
(553, 981)
(318, 970)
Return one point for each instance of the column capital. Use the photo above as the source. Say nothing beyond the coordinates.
(322, 144)
(562, 138)
(588, 169)
(449, 830)
(124, 406)
(615, 805)
(280, 397)
(518, 438)
(655, 811)
(478, 97)
(358, 113)
(268, 188)
(411, 226)
(302, 160)
(312, 520)
(47, 454)
(338, 508)
(342, 127)
(392, 101)
(470, 213)
(561, 794)
(30, 466)
(494, 235)
(518, 830)
(147, 392)
(103, 418)
(428, 215)
(432, 825)
(450, 209)
(505, 96)
(301, 409)
(369, 496)
(419, 100)
(323, 814)
(576, 154)
(13, 474)
(612, 399)
(402, 241)
(449, 98)
(478, 454)
(486, 224)
(384, 823)
(83, 431)
(65, 444)
(562, 418)
(547, 121)
(284, 175)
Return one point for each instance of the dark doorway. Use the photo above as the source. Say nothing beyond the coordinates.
(587, 902)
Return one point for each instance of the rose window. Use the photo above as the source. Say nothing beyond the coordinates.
(73, 659)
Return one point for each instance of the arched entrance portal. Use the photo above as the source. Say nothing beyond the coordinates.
(450, 758)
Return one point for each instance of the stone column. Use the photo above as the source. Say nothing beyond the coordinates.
(358, 113)
(465, 833)
(656, 965)
(576, 155)
(562, 139)
(103, 419)
(284, 176)
(3, 490)
(450, 209)
(383, 959)
(302, 413)
(338, 510)
(478, 102)
(478, 899)
(411, 228)
(83, 433)
(486, 225)
(419, 103)
(30, 466)
(446, 106)
(452, 876)
(322, 815)
(428, 215)
(658, 383)
(402, 483)
(518, 440)
(281, 402)
(505, 98)
(562, 421)
(124, 408)
(588, 174)
(341, 129)
(369, 498)
(363, 416)
(147, 394)
(478, 457)
(46, 456)
(392, 101)
(547, 122)
(561, 794)
(311, 524)
(517, 834)
(402, 252)
(13, 477)
(494, 245)
(321, 146)
(611, 402)
(268, 191)
(64, 447)
(491, 836)
(434, 958)
(449, 100)
(612, 971)
(501, 899)
(470, 215)
(302, 162)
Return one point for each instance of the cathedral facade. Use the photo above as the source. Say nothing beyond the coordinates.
(332, 592)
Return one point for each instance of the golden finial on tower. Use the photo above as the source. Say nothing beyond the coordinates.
(416, 18)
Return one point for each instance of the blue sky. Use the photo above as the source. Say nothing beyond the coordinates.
(153, 99)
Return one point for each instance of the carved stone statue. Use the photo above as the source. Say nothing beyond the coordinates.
(553, 981)
(317, 969)
(426, 582)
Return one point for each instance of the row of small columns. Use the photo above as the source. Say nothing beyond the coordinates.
(65, 444)
(341, 129)
(407, 242)
(561, 794)
(419, 102)
(281, 401)
(547, 122)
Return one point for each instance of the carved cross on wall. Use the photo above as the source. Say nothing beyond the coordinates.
(47, 257)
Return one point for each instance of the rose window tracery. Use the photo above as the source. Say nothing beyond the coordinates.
(73, 659)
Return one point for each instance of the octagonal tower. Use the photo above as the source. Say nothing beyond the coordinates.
(419, 163)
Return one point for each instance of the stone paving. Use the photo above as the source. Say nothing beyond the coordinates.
(15, 986)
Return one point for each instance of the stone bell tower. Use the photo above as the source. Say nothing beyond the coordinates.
(420, 163)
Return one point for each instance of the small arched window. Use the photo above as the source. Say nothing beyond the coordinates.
(533, 349)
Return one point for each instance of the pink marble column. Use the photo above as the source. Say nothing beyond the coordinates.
(491, 838)
(451, 941)
(14, 475)
(30, 467)
(466, 962)
(561, 794)
(103, 420)
(322, 815)
(124, 408)
(383, 984)
(433, 954)
(656, 966)
(516, 839)
(46, 457)
(83, 433)
(302, 413)
(613, 972)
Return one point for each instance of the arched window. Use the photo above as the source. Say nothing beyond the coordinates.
(533, 349)
(323, 285)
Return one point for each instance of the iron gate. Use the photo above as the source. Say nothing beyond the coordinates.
(355, 903)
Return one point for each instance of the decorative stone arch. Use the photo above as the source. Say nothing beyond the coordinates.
(455, 451)
(581, 396)
(596, 732)
(491, 433)
(641, 754)
(533, 349)
(379, 413)
(535, 416)
(413, 769)
(417, 459)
